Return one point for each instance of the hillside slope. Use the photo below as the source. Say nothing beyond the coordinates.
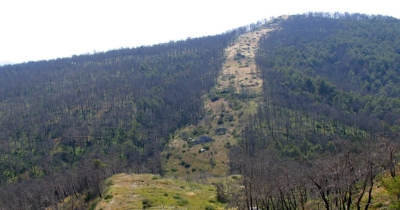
(227, 106)
(328, 126)
(233, 99)
(305, 108)
(63, 120)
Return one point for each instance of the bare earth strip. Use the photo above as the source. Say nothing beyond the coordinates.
(239, 71)
(240, 64)
(238, 76)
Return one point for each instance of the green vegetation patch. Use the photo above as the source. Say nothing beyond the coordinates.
(129, 191)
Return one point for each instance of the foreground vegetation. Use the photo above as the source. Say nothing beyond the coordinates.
(145, 191)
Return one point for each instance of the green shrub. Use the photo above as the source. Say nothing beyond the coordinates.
(108, 197)
(182, 201)
(208, 207)
(92, 207)
(392, 185)
(177, 196)
(147, 203)
(221, 194)
(214, 98)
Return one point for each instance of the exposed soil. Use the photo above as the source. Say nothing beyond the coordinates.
(240, 69)
(239, 74)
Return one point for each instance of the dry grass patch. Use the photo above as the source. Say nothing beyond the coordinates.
(138, 191)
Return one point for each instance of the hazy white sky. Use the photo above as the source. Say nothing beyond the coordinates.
(47, 29)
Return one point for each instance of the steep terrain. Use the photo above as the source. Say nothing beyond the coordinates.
(228, 105)
(63, 120)
(233, 99)
(283, 115)
(328, 123)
